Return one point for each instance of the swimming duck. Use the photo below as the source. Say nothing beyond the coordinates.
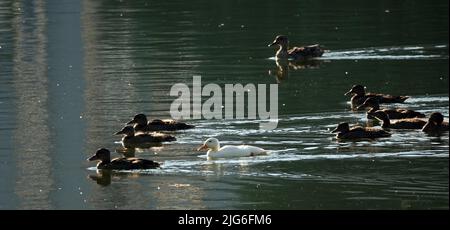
(296, 53)
(142, 125)
(373, 103)
(104, 156)
(132, 140)
(215, 151)
(407, 123)
(344, 131)
(435, 124)
(360, 95)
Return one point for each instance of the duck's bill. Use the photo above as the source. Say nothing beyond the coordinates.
(348, 93)
(93, 158)
(334, 130)
(131, 122)
(272, 44)
(203, 147)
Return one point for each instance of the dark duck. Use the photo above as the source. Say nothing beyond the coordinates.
(435, 124)
(133, 140)
(407, 123)
(296, 53)
(344, 131)
(360, 95)
(121, 163)
(141, 124)
(374, 105)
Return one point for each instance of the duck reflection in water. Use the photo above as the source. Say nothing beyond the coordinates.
(284, 66)
(102, 177)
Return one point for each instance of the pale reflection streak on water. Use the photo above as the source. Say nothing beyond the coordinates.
(6, 104)
(31, 135)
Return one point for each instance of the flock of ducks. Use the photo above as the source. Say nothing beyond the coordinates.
(139, 132)
(396, 118)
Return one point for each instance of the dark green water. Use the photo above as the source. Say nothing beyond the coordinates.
(73, 72)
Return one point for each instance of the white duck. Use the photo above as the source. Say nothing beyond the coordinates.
(215, 151)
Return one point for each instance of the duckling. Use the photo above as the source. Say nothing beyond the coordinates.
(344, 131)
(360, 96)
(296, 53)
(104, 156)
(407, 123)
(142, 125)
(373, 103)
(130, 140)
(435, 124)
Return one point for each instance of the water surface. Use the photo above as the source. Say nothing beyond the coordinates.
(73, 72)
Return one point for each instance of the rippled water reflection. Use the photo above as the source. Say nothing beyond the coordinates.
(72, 73)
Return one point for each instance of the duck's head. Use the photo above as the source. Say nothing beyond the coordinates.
(370, 102)
(101, 155)
(436, 118)
(356, 89)
(280, 40)
(380, 115)
(342, 127)
(210, 143)
(139, 119)
(127, 131)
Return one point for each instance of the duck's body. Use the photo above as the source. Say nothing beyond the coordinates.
(407, 123)
(435, 124)
(168, 125)
(296, 53)
(360, 96)
(141, 124)
(397, 113)
(373, 103)
(121, 163)
(235, 151)
(345, 132)
(132, 140)
(228, 151)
